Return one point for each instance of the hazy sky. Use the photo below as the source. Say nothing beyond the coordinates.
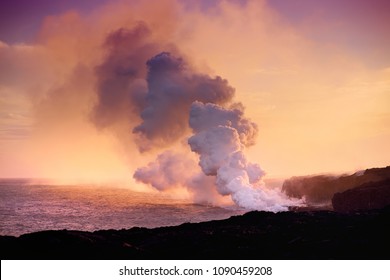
(313, 75)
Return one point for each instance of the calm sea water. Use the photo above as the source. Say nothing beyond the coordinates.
(26, 207)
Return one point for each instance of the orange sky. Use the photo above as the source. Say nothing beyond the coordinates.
(317, 84)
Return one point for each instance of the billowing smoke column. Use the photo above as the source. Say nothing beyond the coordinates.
(220, 137)
(179, 100)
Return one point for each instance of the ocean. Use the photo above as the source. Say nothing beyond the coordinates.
(26, 207)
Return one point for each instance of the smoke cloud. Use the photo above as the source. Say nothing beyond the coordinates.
(172, 87)
(178, 100)
(171, 170)
(166, 171)
(220, 136)
(121, 85)
(206, 116)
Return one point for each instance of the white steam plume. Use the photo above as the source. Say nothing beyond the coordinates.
(220, 136)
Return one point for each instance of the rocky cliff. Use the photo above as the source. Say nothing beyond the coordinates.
(321, 188)
(372, 195)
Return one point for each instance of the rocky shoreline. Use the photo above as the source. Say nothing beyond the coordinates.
(358, 228)
(254, 235)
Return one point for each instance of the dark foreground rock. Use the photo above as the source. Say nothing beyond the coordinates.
(321, 188)
(255, 235)
(373, 195)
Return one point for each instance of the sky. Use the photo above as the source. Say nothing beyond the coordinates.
(314, 76)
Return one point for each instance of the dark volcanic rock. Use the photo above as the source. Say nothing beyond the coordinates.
(255, 235)
(321, 188)
(373, 195)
